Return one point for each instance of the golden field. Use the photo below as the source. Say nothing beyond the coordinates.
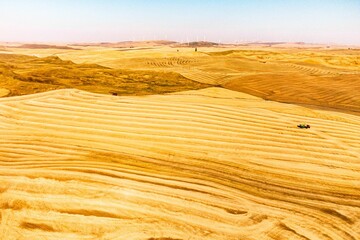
(313, 75)
(197, 145)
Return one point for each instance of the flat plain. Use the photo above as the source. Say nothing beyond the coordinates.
(196, 145)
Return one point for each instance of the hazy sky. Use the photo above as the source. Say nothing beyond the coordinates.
(316, 21)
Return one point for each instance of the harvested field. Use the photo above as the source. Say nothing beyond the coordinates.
(204, 164)
(291, 73)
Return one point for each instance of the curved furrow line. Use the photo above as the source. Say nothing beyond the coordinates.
(330, 125)
(265, 171)
(233, 124)
(225, 142)
(172, 153)
(87, 133)
(278, 176)
(257, 166)
(81, 165)
(242, 114)
(153, 133)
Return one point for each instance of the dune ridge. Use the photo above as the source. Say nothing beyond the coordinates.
(204, 164)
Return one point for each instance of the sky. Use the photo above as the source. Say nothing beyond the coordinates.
(225, 21)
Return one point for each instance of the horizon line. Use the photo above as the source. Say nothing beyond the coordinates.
(182, 42)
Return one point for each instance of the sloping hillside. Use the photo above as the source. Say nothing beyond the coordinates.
(206, 164)
(322, 77)
(22, 75)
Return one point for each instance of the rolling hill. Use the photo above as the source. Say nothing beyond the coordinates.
(204, 164)
(23, 74)
(319, 77)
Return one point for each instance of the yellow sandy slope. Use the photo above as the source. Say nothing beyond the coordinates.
(299, 74)
(206, 164)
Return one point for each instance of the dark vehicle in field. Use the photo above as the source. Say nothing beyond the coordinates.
(306, 126)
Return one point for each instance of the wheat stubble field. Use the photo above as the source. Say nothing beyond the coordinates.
(184, 151)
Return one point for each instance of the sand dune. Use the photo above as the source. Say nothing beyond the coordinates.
(205, 164)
